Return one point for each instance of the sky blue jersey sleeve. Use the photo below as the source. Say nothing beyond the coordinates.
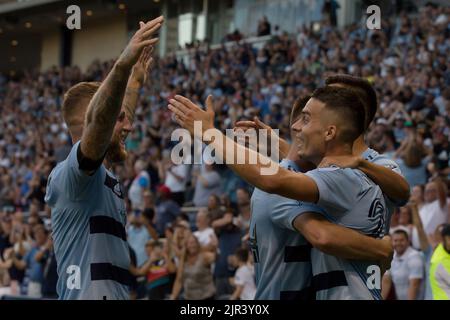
(286, 210)
(338, 189)
(68, 179)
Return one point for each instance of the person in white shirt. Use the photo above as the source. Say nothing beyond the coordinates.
(407, 272)
(244, 278)
(435, 210)
(176, 179)
(205, 234)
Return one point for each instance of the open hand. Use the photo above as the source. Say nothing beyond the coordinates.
(142, 68)
(141, 39)
(188, 115)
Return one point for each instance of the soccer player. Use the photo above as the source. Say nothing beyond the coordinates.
(332, 119)
(282, 253)
(88, 211)
(282, 208)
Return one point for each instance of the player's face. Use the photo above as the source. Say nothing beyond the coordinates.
(400, 243)
(116, 151)
(309, 132)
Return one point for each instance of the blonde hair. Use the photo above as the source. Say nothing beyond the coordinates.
(76, 101)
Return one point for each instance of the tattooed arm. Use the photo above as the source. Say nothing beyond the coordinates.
(138, 78)
(105, 106)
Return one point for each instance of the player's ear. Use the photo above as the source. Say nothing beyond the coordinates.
(330, 133)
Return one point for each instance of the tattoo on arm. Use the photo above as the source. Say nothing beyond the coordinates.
(130, 101)
(102, 114)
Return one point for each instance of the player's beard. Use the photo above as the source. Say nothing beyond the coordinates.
(116, 151)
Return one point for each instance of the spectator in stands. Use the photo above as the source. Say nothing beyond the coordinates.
(205, 234)
(440, 267)
(407, 272)
(33, 261)
(167, 210)
(413, 162)
(175, 177)
(264, 27)
(140, 184)
(244, 278)
(435, 210)
(194, 272)
(158, 270)
(229, 239)
(207, 183)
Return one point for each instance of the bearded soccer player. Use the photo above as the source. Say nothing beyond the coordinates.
(88, 210)
(332, 119)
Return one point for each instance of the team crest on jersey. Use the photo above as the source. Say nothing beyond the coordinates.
(114, 185)
(376, 215)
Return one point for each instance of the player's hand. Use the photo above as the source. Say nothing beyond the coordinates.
(187, 114)
(351, 162)
(385, 264)
(141, 39)
(142, 68)
(255, 124)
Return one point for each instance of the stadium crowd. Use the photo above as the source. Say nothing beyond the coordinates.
(188, 224)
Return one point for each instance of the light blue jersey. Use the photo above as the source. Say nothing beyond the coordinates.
(384, 161)
(350, 199)
(88, 221)
(281, 254)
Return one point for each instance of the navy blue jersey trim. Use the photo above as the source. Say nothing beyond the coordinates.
(107, 225)
(107, 271)
(297, 253)
(328, 280)
(86, 164)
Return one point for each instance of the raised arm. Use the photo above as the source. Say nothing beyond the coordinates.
(264, 174)
(136, 81)
(105, 106)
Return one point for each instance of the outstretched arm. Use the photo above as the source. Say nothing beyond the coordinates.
(105, 106)
(264, 173)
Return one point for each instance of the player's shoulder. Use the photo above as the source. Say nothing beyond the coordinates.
(374, 156)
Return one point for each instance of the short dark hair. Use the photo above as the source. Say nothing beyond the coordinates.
(402, 232)
(241, 254)
(363, 89)
(297, 108)
(445, 230)
(349, 108)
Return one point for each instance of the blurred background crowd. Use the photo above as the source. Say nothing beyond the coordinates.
(188, 224)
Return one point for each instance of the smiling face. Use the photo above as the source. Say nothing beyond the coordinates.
(310, 132)
(400, 242)
(116, 150)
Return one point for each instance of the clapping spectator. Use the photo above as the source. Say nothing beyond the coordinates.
(205, 234)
